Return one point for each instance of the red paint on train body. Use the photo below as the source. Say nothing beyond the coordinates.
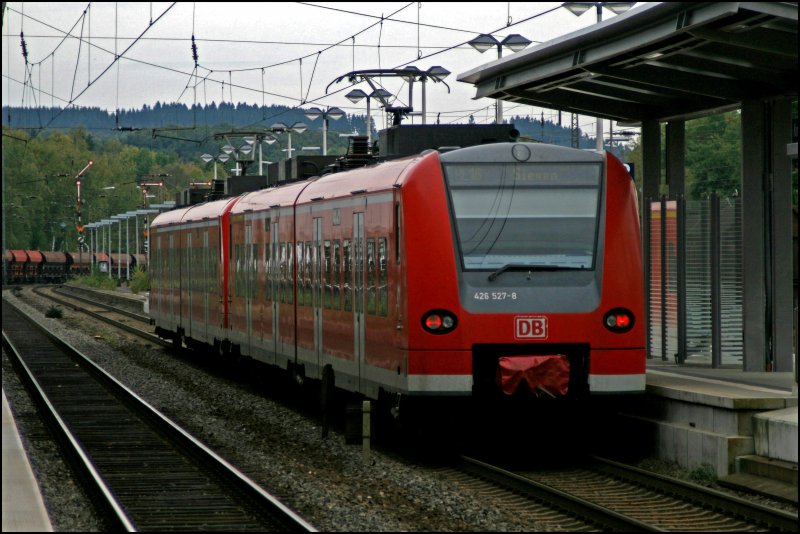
(415, 276)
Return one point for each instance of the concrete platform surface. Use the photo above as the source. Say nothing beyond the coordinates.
(697, 415)
(776, 434)
(23, 508)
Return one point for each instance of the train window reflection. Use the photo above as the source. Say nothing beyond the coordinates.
(348, 275)
(529, 214)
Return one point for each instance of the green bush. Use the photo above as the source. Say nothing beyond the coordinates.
(98, 280)
(140, 280)
(705, 474)
(54, 312)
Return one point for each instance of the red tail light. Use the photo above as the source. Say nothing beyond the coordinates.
(433, 322)
(439, 321)
(618, 320)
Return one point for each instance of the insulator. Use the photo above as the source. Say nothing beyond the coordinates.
(194, 51)
(24, 46)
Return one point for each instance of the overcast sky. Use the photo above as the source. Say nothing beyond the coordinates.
(243, 48)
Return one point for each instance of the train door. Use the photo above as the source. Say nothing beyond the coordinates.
(317, 261)
(275, 280)
(249, 288)
(172, 270)
(206, 284)
(189, 283)
(359, 333)
(159, 276)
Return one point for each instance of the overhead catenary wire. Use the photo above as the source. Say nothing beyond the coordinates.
(307, 87)
(116, 59)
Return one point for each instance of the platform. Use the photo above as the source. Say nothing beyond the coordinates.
(23, 508)
(743, 425)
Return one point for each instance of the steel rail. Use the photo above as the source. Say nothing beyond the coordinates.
(604, 517)
(141, 333)
(772, 518)
(266, 504)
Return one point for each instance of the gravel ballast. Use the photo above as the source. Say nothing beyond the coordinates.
(323, 479)
(278, 446)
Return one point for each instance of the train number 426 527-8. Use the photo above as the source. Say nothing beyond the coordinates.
(495, 295)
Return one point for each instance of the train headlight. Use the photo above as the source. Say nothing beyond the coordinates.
(618, 320)
(439, 321)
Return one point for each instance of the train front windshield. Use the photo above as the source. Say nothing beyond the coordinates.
(518, 215)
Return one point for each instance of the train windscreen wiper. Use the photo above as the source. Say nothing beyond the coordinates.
(530, 268)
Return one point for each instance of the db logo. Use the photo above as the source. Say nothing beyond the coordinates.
(530, 328)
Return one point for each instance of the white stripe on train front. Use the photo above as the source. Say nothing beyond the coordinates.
(443, 384)
(616, 383)
(462, 384)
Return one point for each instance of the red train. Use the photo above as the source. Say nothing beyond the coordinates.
(502, 270)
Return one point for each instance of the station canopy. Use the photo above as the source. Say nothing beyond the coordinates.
(663, 61)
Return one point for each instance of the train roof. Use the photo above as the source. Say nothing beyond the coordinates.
(34, 255)
(81, 258)
(380, 177)
(274, 197)
(194, 213)
(522, 152)
(120, 258)
(53, 256)
(99, 256)
(170, 217)
(208, 210)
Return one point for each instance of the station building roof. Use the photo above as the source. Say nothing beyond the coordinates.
(663, 61)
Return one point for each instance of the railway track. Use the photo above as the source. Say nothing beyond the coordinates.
(606, 495)
(134, 323)
(609, 496)
(146, 473)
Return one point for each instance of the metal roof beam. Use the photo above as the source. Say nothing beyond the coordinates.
(669, 77)
(763, 41)
(586, 104)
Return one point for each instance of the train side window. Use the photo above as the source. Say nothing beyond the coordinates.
(237, 284)
(241, 269)
(214, 271)
(268, 272)
(290, 267)
(371, 297)
(337, 276)
(328, 287)
(348, 275)
(383, 277)
(282, 275)
(397, 233)
(307, 279)
(256, 278)
(301, 271)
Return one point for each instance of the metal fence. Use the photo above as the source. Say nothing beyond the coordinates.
(693, 280)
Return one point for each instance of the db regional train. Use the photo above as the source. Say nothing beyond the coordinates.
(500, 270)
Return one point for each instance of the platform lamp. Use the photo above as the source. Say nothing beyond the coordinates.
(331, 113)
(412, 74)
(357, 95)
(578, 9)
(245, 149)
(513, 42)
(297, 127)
(208, 158)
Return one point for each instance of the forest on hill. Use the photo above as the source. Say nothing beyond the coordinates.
(40, 165)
